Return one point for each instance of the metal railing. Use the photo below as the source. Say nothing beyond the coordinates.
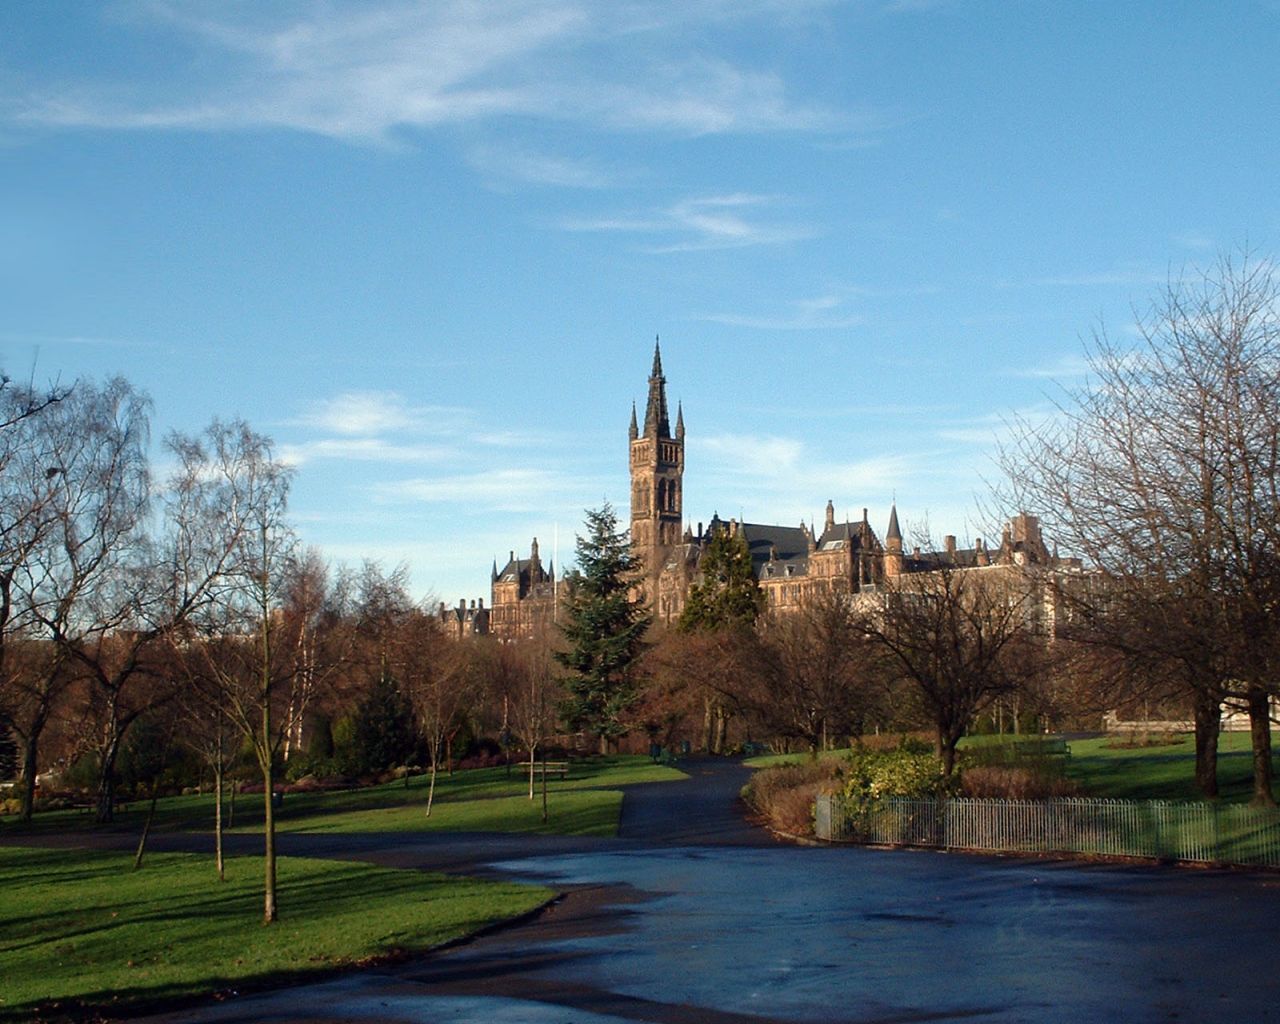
(1164, 830)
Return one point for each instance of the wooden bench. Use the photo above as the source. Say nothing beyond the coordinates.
(91, 806)
(1050, 746)
(556, 769)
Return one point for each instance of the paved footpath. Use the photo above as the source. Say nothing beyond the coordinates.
(693, 915)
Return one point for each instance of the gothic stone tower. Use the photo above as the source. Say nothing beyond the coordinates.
(657, 477)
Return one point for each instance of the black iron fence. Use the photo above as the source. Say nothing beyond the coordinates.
(1165, 830)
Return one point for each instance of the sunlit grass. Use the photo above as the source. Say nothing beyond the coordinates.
(586, 812)
(80, 929)
(1104, 767)
(499, 796)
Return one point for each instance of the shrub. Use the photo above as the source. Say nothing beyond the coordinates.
(783, 795)
(914, 741)
(1014, 782)
(384, 731)
(908, 771)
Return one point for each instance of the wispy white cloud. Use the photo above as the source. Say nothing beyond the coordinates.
(739, 450)
(730, 221)
(365, 72)
(825, 312)
(365, 413)
(498, 489)
(505, 163)
(769, 478)
(364, 449)
(1193, 240)
(1063, 368)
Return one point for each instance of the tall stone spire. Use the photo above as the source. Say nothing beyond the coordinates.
(679, 421)
(656, 421)
(633, 431)
(894, 532)
(893, 560)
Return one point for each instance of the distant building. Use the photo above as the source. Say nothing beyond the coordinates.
(523, 596)
(790, 563)
(464, 621)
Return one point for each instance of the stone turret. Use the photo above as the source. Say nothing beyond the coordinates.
(893, 545)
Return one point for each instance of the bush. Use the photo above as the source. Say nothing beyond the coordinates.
(302, 766)
(784, 794)
(1014, 782)
(915, 741)
(908, 771)
(384, 731)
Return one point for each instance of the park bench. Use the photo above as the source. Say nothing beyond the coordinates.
(91, 806)
(552, 769)
(1050, 746)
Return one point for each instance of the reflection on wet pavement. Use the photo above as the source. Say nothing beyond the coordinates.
(740, 930)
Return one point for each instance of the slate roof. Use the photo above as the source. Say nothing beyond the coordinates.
(521, 569)
(790, 545)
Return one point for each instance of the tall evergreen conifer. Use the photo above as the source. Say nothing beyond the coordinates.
(726, 595)
(604, 629)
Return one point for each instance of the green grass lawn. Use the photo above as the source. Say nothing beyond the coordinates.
(769, 760)
(1104, 767)
(1167, 772)
(80, 930)
(580, 812)
(481, 799)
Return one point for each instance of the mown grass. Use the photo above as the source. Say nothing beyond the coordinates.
(1105, 767)
(771, 760)
(481, 799)
(583, 812)
(80, 932)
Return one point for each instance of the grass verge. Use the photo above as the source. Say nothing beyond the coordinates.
(1104, 767)
(480, 799)
(80, 932)
(586, 812)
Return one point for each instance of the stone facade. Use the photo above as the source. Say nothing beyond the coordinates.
(523, 597)
(790, 563)
(464, 621)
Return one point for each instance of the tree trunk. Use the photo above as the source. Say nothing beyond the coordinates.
(1208, 721)
(708, 725)
(146, 827)
(431, 788)
(533, 762)
(269, 910)
(217, 822)
(544, 788)
(722, 728)
(30, 769)
(107, 780)
(947, 751)
(1260, 731)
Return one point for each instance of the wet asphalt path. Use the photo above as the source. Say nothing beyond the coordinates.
(692, 915)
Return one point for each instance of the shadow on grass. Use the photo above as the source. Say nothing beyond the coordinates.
(104, 929)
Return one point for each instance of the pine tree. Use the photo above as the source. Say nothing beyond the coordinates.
(604, 629)
(726, 595)
(718, 620)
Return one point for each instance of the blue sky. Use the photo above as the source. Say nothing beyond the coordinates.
(427, 247)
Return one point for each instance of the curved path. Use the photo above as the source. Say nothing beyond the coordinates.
(692, 915)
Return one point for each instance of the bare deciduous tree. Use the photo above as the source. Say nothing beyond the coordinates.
(960, 638)
(822, 677)
(1162, 470)
(81, 579)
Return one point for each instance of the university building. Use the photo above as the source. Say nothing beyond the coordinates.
(790, 563)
